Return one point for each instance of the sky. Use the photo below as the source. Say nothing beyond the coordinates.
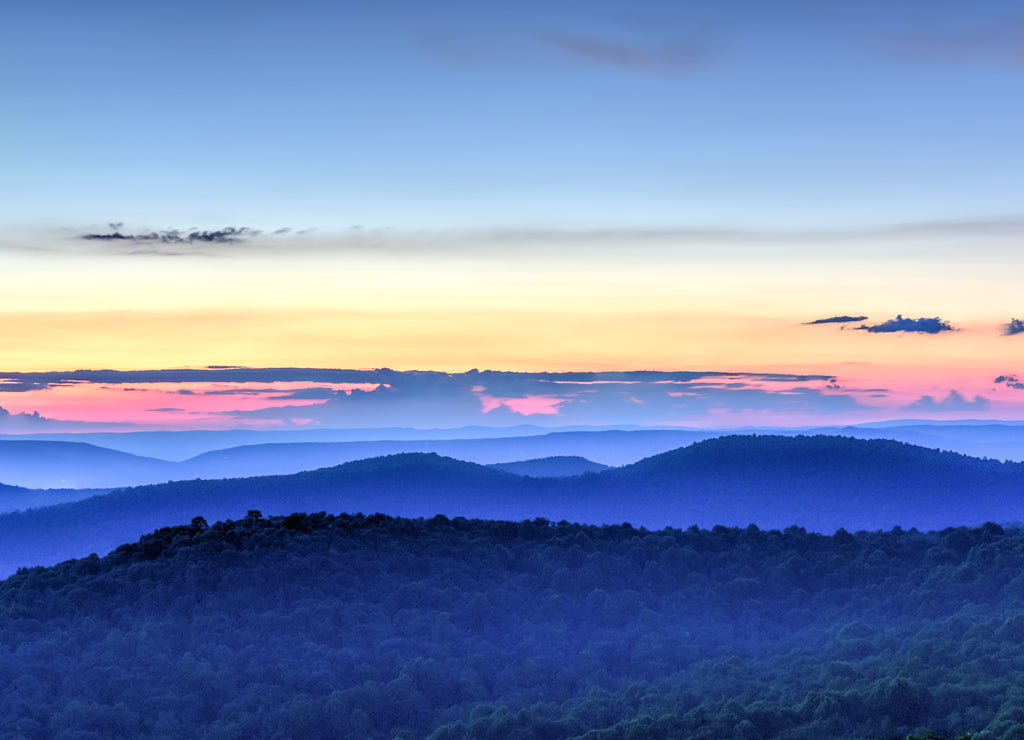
(533, 187)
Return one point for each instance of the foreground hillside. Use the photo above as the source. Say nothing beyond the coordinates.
(312, 626)
(821, 483)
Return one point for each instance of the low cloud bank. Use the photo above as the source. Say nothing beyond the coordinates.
(955, 401)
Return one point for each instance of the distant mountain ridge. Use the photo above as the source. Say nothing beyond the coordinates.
(51, 464)
(27, 463)
(48, 464)
(822, 483)
(559, 466)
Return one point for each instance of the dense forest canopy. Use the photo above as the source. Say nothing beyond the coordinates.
(315, 625)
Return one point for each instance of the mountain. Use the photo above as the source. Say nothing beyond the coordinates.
(374, 627)
(51, 465)
(58, 464)
(182, 444)
(15, 498)
(607, 447)
(561, 466)
(415, 484)
(47, 464)
(821, 483)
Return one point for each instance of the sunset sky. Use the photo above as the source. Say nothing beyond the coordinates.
(532, 187)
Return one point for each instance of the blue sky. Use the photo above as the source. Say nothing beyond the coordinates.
(458, 115)
(521, 187)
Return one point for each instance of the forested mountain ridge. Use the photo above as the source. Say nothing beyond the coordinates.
(412, 483)
(558, 466)
(15, 498)
(52, 464)
(821, 483)
(60, 464)
(320, 626)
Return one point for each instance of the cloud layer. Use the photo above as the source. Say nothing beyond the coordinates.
(383, 397)
(227, 235)
(922, 326)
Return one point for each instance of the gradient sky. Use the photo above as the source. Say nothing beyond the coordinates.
(533, 186)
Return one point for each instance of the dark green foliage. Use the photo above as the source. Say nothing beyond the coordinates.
(322, 626)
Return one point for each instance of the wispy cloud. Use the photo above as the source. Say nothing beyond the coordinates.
(900, 324)
(662, 56)
(711, 240)
(955, 401)
(836, 320)
(1001, 43)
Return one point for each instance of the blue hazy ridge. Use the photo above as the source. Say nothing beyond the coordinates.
(821, 483)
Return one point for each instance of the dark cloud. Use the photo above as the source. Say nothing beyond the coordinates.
(278, 394)
(26, 381)
(166, 410)
(419, 379)
(678, 56)
(227, 235)
(1010, 381)
(955, 401)
(17, 385)
(921, 326)
(836, 320)
(234, 392)
(315, 394)
(1016, 326)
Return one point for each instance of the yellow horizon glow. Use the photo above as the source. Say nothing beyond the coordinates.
(531, 312)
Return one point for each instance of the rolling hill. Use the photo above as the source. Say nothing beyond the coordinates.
(50, 464)
(59, 464)
(63, 464)
(821, 483)
(560, 466)
(375, 627)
